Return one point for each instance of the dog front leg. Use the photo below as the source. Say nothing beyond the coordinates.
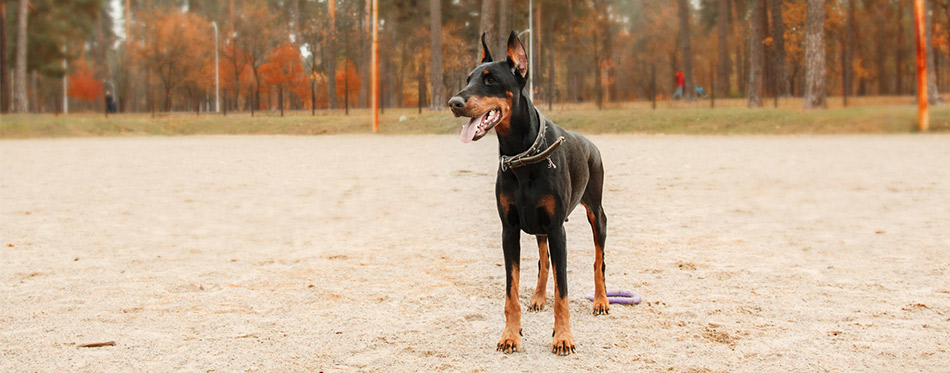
(563, 343)
(511, 337)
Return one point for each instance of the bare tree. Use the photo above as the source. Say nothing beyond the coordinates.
(815, 55)
(724, 69)
(20, 104)
(435, 75)
(756, 53)
(687, 51)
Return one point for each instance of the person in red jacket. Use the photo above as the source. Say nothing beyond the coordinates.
(678, 94)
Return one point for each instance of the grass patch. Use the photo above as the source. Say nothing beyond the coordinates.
(697, 121)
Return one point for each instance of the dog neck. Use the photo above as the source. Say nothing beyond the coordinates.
(523, 127)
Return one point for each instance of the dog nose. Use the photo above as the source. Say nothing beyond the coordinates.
(456, 103)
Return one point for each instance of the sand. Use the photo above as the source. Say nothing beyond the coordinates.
(382, 253)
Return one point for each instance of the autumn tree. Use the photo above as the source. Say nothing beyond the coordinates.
(234, 62)
(254, 40)
(815, 55)
(283, 69)
(83, 85)
(174, 50)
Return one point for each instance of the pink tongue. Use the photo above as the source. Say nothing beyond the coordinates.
(468, 130)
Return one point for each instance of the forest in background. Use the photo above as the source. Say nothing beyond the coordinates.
(158, 55)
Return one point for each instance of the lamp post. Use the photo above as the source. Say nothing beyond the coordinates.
(530, 49)
(217, 86)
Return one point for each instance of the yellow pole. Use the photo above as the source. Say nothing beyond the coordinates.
(923, 117)
(375, 64)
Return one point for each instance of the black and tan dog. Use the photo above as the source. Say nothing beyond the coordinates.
(545, 171)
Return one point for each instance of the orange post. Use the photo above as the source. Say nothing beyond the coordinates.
(923, 117)
(375, 64)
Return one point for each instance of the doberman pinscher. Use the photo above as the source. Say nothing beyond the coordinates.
(545, 171)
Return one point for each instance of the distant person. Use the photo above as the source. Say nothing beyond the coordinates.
(678, 93)
(701, 92)
(110, 102)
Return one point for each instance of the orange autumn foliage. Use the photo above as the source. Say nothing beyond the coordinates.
(348, 76)
(83, 85)
(283, 66)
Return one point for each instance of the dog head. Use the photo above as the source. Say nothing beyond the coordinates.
(491, 90)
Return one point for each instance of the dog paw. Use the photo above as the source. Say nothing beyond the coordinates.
(537, 303)
(563, 344)
(601, 306)
(509, 343)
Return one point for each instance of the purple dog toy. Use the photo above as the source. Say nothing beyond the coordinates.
(619, 297)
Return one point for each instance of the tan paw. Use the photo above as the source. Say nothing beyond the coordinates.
(510, 342)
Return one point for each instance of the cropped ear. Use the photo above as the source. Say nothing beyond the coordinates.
(517, 56)
(486, 53)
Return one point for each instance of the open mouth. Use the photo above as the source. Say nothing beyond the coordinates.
(479, 126)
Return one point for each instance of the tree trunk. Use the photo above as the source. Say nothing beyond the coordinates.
(778, 39)
(504, 25)
(572, 74)
(422, 87)
(4, 74)
(331, 56)
(687, 52)
(849, 50)
(486, 24)
(900, 55)
(435, 75)
(756, 53)
(932, 95)
(815, 55)
(125, 104)
(881, 19)
(20, 104)
(724, 70)
(366, 46)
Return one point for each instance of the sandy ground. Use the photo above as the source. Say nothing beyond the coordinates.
(382, 253)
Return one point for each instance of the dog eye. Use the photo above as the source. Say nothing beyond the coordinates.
(489, 80)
